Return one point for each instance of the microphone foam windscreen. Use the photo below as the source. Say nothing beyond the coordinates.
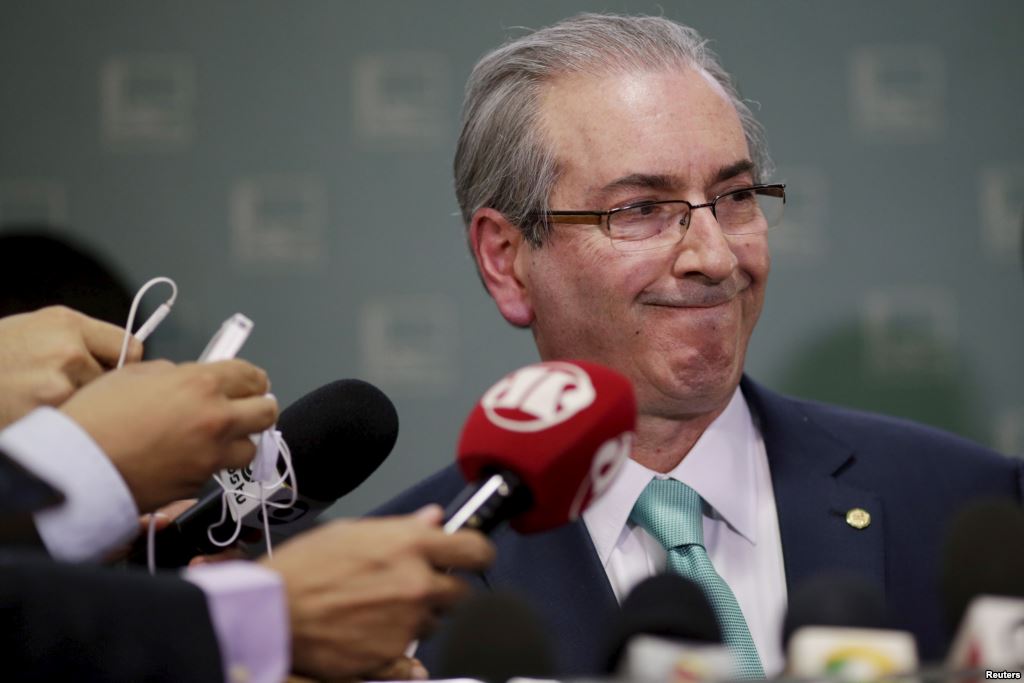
(494, 637)
(667, 606)
(843, 600)
(984, 555)
(564, 427)
(338, 435)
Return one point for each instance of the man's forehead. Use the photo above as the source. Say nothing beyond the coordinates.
(667, 129)
(604, 78)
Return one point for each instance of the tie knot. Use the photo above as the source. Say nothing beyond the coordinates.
(670, 511)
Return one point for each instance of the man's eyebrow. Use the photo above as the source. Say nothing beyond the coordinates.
(641, 181)
(733, 170)
(667, 183)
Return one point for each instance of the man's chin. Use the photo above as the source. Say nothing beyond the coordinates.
(686, 391)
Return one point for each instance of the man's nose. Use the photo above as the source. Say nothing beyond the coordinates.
(704, 249)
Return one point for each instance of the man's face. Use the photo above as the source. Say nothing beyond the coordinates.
(676, 321)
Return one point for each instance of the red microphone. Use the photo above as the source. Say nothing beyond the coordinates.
(541, 444)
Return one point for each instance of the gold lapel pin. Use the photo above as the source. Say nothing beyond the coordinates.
(858, 518)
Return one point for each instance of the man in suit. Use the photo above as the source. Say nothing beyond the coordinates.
(613, 187)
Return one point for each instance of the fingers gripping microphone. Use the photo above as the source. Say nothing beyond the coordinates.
(338, 435)
(541, 444)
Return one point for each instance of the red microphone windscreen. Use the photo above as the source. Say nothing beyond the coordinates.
(564, 427)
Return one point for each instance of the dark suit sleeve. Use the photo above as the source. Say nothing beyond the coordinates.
(22, 494)
(71, 622)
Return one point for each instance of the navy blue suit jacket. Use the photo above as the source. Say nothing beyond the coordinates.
(824, 461)
(83, 623)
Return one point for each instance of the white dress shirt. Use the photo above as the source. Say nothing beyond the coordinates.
(728, 467)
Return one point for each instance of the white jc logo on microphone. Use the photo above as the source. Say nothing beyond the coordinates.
(538, 397)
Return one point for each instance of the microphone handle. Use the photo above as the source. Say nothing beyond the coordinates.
(486, 503)
(185, 537)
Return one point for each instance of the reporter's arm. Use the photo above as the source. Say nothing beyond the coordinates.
(249, 614)
(99, 512)
(81, 623)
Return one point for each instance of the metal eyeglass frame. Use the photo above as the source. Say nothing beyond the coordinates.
(602, 218)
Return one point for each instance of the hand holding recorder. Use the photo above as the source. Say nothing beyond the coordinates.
(47, 354)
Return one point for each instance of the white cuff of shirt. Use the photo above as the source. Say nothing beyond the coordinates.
(250, 618)
(99, 513)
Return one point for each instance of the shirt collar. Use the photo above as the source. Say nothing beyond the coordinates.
(720, 467)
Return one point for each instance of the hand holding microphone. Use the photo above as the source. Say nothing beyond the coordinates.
(338, 434)
(540, 446)
(359, 591)
(167, 428)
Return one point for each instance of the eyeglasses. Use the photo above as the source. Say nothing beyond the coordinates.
(651, 225)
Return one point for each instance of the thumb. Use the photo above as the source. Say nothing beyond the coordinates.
(430, 515)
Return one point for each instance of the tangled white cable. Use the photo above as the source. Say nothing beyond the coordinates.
(229, 500)
(263, 470)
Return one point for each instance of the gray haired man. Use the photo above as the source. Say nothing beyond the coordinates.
(615, 192)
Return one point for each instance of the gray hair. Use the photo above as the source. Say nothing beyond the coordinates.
(502, 160)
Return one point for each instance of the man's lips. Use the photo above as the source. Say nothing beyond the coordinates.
(706, 297)
(694, 294)
(711, 303)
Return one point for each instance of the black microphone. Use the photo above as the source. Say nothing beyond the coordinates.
(983, 586)
(667, 625)
(338, 436)
(838, 625)
(837, 599)
(984, 555)
(494, 637)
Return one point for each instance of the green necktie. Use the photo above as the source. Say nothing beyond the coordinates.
(670, 511)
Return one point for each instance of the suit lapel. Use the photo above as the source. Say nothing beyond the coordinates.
(560, 575)
(807, 466)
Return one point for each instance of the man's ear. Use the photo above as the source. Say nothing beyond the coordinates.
(499, 249)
